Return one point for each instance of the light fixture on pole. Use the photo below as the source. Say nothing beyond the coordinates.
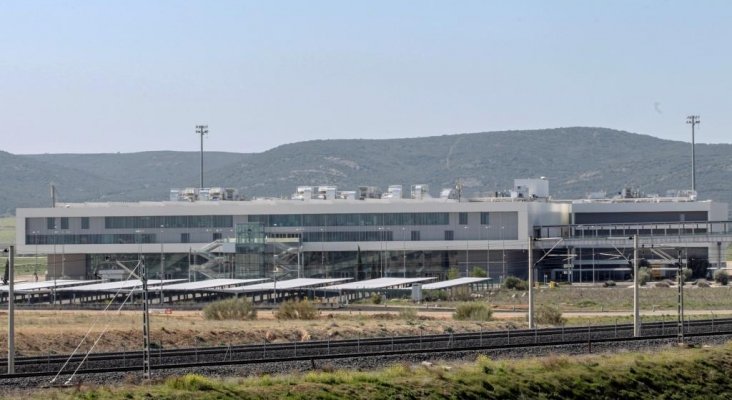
(202, 130)
(693, 120)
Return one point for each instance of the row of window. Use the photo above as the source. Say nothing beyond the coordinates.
(178, 221)
(121, 238)
(285, 220)
(377, 236)
(362, 219)
(63, 223)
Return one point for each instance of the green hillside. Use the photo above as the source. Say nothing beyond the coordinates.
(575, 160)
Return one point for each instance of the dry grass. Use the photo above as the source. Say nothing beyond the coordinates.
(43, 332)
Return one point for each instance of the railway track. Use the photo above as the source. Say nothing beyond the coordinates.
(95, 363)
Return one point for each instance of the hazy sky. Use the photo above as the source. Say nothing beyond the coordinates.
(104, 76)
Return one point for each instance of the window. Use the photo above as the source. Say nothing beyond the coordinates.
(217, 236)
(449, 235)
(50, 223)
(84, 222)
(177, 221)
(185, 237)
(64, 223)
(415, 236)
(485, 218)
(463, 218)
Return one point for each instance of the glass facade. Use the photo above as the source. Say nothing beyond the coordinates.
(178, 221)
(368, 236)
(365, 219)
(114, 238)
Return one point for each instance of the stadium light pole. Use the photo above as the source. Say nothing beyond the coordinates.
(693, 120)
(202, 130)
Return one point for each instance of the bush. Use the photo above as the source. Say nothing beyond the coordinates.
(473, 312)
(434, 295)
(375, 298)
(721, 276)
(644, 276)
(549, 315)
(702, 283)
(302, 309)
(478, 272)
(687, 273)
(408, 313)
(238, 309)
(515, 283)
(192, 383)
(453, 273)
(609, 284)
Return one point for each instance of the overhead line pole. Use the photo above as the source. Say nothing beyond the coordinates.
(636, 305)
(11, 310)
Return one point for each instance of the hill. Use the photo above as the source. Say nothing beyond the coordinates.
(575, 160)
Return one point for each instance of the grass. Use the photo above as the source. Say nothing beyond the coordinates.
(671, 373)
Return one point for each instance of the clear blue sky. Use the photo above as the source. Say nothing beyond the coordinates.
(104, 76)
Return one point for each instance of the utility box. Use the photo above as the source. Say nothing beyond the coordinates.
(417, 292)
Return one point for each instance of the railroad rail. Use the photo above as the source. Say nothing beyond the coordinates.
(110, 362)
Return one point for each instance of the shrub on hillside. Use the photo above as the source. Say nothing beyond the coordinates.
(375, 298)
(473, 312)
(721, 276)
(515, 283)
(238, 309)
(301, 309)
(478, 272)
(549, 315)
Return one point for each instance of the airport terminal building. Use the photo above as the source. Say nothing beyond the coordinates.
(323, 233)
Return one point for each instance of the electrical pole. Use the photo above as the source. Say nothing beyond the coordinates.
(531, 282)
(145, 322)
(202, 130)
(680, 304)
(636, 306)
(693, 120)
(11, 310)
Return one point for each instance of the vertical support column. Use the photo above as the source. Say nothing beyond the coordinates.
(680, 304)
(636, 305)
(145, 322)
(531, 281)
(11, 310)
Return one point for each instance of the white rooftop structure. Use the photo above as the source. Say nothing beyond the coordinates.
(114, 286)
(30, 286)
(299, 283)
(210, 284)
(453, 282)
(379, 283)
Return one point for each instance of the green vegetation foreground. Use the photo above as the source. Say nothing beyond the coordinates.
(671, 373)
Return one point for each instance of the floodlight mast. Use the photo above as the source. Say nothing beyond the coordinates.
(693, 120)
(202, 130)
